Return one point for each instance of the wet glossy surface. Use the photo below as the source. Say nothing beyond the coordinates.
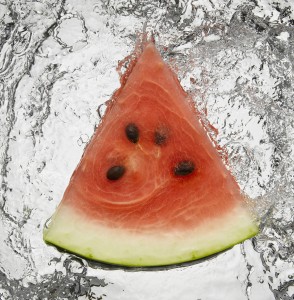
(57, 64)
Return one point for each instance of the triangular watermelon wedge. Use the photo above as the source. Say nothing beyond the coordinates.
(151, 188)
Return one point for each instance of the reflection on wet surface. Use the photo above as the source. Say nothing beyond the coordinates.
(58, 63)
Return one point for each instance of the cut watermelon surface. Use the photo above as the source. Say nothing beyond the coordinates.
(151, 188)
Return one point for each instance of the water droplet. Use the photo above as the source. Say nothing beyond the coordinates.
(47, 223)
(101, 110)
(74, 265)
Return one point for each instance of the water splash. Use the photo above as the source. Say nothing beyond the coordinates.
(57, 64)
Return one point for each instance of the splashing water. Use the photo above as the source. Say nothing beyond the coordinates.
(58, 63)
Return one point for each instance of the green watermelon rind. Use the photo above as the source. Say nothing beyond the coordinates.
(142, 248)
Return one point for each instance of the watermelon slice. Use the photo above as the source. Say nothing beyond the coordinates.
(151, 188)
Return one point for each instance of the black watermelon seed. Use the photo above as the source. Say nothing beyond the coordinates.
(115, 172)
(159, 138)
(184, 167)
(132, 132)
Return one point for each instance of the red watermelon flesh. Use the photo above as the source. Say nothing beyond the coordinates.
(151, 188)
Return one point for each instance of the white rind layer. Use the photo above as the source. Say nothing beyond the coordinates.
(73, 232)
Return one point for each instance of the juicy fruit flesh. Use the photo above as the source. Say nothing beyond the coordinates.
(150, 175)
(149, 188)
